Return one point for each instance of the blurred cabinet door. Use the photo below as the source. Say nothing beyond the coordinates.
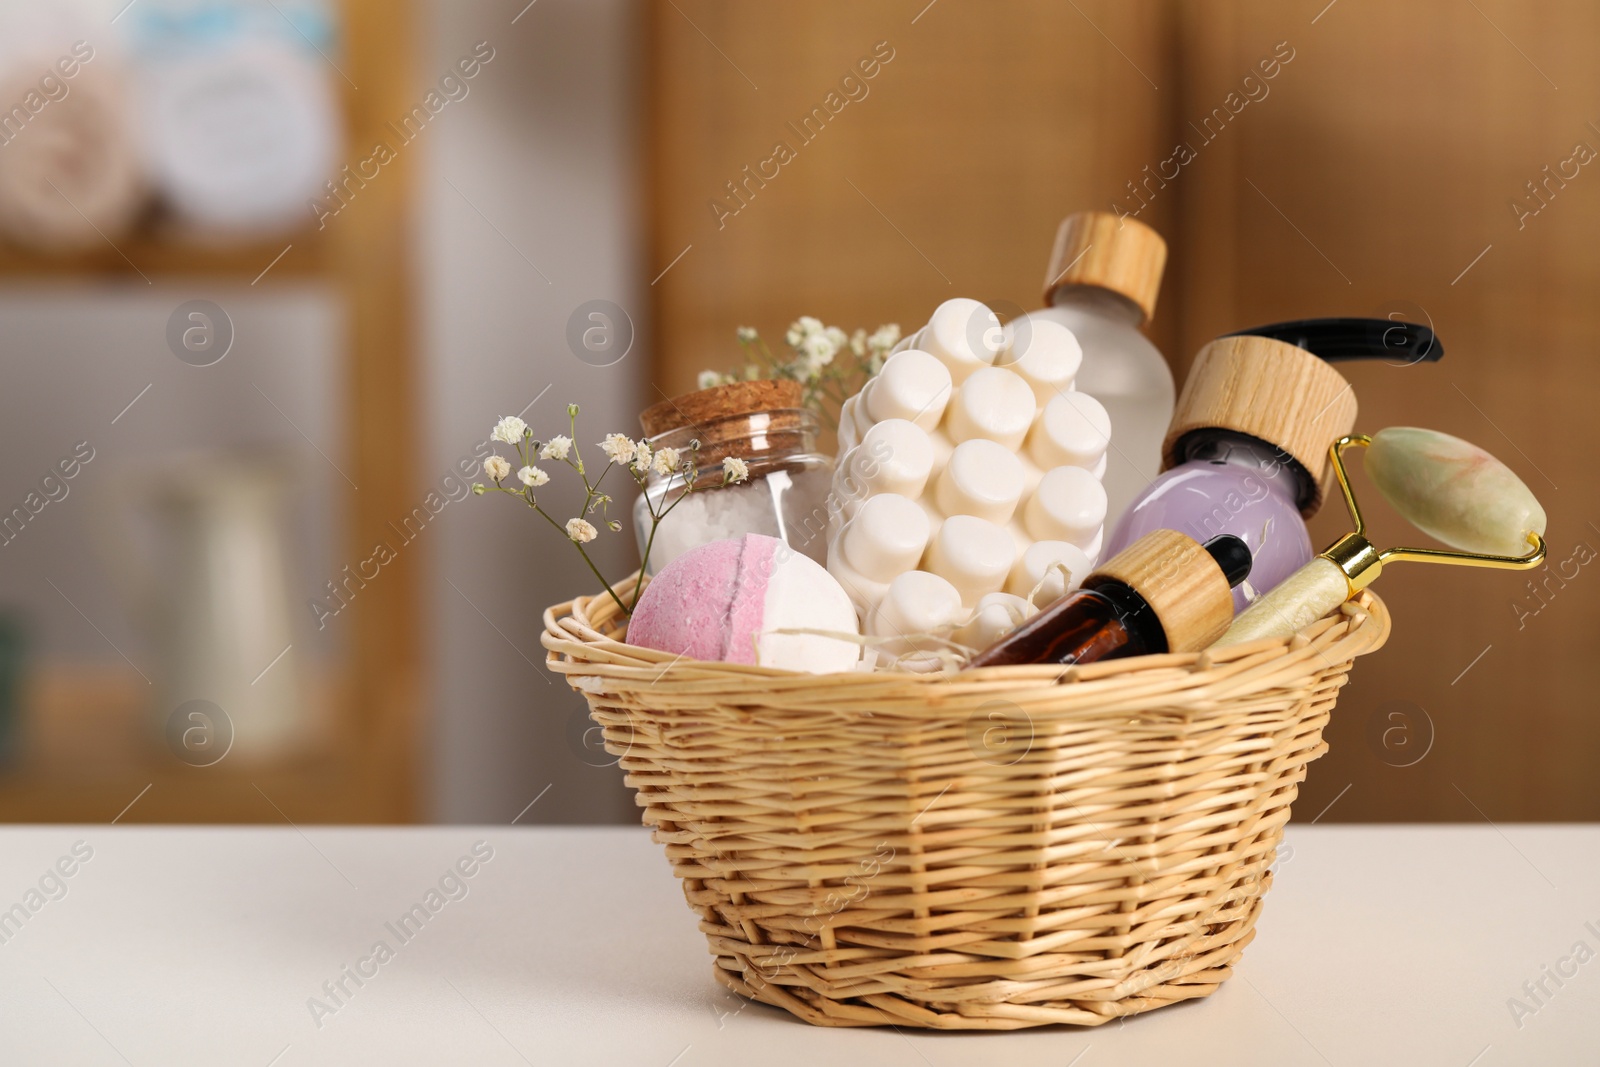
(1410, 161)
(861, 162)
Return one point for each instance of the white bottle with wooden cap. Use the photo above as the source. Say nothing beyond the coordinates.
(1102, 284)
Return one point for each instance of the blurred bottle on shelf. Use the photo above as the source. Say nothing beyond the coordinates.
(13, 666)
(212, 588)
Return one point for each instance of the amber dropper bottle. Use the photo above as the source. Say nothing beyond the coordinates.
(1165, 592)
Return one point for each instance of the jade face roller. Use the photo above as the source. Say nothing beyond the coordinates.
(1446, 487)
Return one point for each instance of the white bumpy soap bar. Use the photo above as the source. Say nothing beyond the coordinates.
(996, 615)
(886, 538)
(980, 478)
(1055, 568)
(968, 479)
(912, 607)
(1046, 355)
(1073, 430)
(994, 404)
(963, 334)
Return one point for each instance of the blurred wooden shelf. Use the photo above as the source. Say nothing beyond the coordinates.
(87, 749)
(151, 254)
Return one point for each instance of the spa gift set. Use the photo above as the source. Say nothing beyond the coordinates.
(994, 719)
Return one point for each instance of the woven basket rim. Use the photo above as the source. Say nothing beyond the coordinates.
(580, 642)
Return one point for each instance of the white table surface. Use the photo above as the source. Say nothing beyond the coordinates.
(174, 946)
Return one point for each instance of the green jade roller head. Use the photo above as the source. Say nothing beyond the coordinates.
(1448, 488)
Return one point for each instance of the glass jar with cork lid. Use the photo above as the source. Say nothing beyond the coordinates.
(764, 424)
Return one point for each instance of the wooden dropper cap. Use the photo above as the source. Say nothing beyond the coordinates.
(1111, 252)
(1181, 581)
(1276, 392)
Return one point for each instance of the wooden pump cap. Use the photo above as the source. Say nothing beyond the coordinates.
(1180, 581)
(1101, 249)
(1273, 391)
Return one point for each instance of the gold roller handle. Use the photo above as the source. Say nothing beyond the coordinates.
(1348, 566)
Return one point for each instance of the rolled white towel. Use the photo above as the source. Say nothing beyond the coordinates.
(70, 175)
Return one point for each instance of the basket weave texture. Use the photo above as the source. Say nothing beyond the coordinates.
(1005, 848)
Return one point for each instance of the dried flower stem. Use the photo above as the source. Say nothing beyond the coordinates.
(633, 457)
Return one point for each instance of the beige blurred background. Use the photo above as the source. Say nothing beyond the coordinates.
(1379, 171)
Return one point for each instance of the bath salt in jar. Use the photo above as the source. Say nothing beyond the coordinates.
(762, 423)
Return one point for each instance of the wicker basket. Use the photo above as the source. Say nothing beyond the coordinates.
(1010, 848)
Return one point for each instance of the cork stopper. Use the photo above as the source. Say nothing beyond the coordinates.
(709, 405)
(1101, 249)
(1181, 582)
(1273, 391)
(760, 422)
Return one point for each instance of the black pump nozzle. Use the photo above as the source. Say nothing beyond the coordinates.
(1232, 555)
(1337, 339)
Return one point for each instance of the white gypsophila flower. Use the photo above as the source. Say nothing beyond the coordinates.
(496, 467)
(745, 334)
(532, 477)
(581, 531)
(816, 352)
(709, 379)
(884, 337)
(641, 457)
(556, 448)
(509, 430)
(665, 461)
(617, 447)
(802, 328)
(836, 337)
(735, 469)
(858, 342)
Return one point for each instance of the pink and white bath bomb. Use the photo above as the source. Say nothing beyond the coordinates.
(726, 601)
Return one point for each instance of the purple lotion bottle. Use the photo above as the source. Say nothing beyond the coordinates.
(1246, 452)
